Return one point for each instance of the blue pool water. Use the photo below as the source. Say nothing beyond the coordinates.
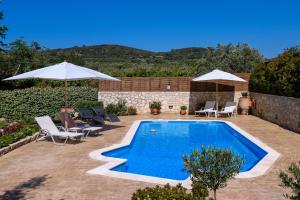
(158, 146)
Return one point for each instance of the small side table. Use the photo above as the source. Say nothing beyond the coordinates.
(215, 112)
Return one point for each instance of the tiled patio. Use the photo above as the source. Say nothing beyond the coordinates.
(42, 170)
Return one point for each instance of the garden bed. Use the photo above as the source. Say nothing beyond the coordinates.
(18, 144)
(14, 134)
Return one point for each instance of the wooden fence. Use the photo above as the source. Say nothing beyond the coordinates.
(182, 84)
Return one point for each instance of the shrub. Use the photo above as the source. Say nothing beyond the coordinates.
(199, 190)
(17, 104)
(3, 122)
(110, 108)
(10, 128)
(280, 76)
(166, 192)
(131, 110)
(155, 105)
(244, 94)
(291, 179)
(183, 107)
(88, 104)
(12, 138)
(119, 108)
(212, 167)
(27, 120)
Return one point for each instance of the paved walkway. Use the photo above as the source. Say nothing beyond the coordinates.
(42, 170)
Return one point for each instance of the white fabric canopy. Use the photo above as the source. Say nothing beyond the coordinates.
(63, 71)
(218, 75)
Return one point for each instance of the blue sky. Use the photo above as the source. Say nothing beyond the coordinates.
(269, 26)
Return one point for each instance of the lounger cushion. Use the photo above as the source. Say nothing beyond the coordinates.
(68, 134)
(113, 118)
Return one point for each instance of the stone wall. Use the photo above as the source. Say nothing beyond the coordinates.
(141, 100)
(171, 100)
(284, 111)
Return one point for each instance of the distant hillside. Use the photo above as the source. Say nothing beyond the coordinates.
(117, 60)
(118, 52)
(105, 51)
(185, 53)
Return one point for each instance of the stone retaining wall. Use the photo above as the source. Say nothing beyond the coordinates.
(171, 101)
(284, 111)
(18, 144)
(141, 100)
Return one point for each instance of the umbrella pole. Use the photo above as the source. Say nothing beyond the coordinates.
(66, 103)
(65, 94)
(217, 90)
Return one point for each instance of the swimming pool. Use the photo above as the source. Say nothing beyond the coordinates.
(154, 148)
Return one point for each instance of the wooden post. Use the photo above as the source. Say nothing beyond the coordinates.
(66, 102)
(217, 88)
(66, 94)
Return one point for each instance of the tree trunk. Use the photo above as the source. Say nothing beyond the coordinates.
(215, 194)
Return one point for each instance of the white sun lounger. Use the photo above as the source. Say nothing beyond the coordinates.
(229, 109)
(48, 129)
(208, 108)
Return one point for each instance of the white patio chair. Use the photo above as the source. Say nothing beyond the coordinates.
(48, 129)
(229, 109)
(208, 108)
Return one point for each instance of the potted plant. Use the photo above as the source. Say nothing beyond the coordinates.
(244, 103)
(155, 107)
(183, 110)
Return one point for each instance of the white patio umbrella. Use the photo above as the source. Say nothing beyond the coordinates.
(65, 72)
(216, 76)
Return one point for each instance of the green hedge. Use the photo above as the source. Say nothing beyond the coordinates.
(280, 76)
(88, 104)
(34, 101)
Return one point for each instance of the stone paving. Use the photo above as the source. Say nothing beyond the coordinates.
(42, 170)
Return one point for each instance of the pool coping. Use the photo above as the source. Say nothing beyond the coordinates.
(259, 169)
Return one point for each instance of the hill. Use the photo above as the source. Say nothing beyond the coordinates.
(111, 52)
(117, 60)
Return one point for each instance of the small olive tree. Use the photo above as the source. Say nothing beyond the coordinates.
(212, 167)
(291, 179)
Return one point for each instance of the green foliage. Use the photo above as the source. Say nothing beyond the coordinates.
(244, 94)
(230, 58)
(131, 110)
(199, 190)
(35, 101)
(88, 104)
(21, 57)
(119, 108)
(3, 29)
(12, 138)
(166, 192)
(212, 167)
(3, 122)
(121, 61)
(155, 105)
(183, 107)
(27, 120)
(280, 76)
(291, 179)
